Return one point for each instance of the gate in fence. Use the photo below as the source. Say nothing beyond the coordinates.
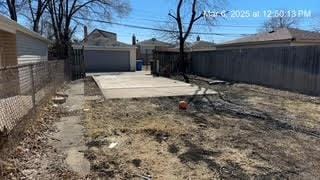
(77, 65)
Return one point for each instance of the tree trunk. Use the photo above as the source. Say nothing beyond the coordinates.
(12, 9)
(182, 62)
(36, 25)
(13, 16)
(65, 44)
(181, 56)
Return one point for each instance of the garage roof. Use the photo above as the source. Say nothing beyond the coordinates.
(11, 26)
(281, 34)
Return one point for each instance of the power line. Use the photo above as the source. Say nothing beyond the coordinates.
(199, 24)
(163, 20)
(154, 29)
(171, 22)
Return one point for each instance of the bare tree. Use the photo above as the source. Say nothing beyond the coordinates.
(11, 7)
(66, 14)
(275, 23)
(193, 11)
(3, 7)
(316, 27)
(36, 9)
(45, 26)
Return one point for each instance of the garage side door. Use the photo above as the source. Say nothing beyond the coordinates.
(106, 61)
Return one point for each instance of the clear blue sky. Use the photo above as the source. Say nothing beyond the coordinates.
(152, 13)
(145, 11)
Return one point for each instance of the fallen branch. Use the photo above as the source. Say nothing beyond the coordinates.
(144, 177)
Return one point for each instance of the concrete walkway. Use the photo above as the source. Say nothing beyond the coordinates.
(70, 135)
(141, 84)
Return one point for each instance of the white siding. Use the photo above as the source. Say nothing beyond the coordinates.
(30, 49)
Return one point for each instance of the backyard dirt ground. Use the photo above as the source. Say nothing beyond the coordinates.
(244, 132)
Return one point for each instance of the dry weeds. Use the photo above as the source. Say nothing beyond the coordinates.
(249, 131)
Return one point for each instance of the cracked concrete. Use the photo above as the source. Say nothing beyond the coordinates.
(69, 138)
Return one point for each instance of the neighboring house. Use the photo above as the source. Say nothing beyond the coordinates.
(103, 53)
(277, 38)
(19, 45)
(147, 47)
(201, 45)
(198, 45)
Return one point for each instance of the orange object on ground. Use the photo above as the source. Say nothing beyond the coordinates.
(183, 105)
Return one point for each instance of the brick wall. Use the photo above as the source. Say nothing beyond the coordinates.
(8, 46)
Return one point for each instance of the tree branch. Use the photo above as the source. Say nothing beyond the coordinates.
(179, 21)
(199, 17)
(192, 19)
(172, 16)
(81, 6)
(31, 9)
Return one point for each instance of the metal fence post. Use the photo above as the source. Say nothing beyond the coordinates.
(33, 90)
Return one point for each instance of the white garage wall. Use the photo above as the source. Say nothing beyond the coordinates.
(133, 58)
(131, 50)
(106, 61)
(30, 49)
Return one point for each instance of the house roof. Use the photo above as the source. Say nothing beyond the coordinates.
(290, 34)
(104, 33)
(202, 44)
(120, 44)
(104, 40)
(11, 26)
(153, 41)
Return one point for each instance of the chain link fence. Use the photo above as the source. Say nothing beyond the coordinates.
(24, 87)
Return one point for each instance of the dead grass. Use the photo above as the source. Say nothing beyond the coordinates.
(248, 132)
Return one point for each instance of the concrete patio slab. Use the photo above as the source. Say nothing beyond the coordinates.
(142, 84)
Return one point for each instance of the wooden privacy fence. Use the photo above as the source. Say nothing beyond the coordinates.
(167, 62)
(289, 68)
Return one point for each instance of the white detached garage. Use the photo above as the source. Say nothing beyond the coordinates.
(109, 59)
(103, 53)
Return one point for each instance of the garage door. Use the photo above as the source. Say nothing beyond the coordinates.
(106, 61)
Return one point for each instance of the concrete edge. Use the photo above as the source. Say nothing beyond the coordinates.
(97, 82)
